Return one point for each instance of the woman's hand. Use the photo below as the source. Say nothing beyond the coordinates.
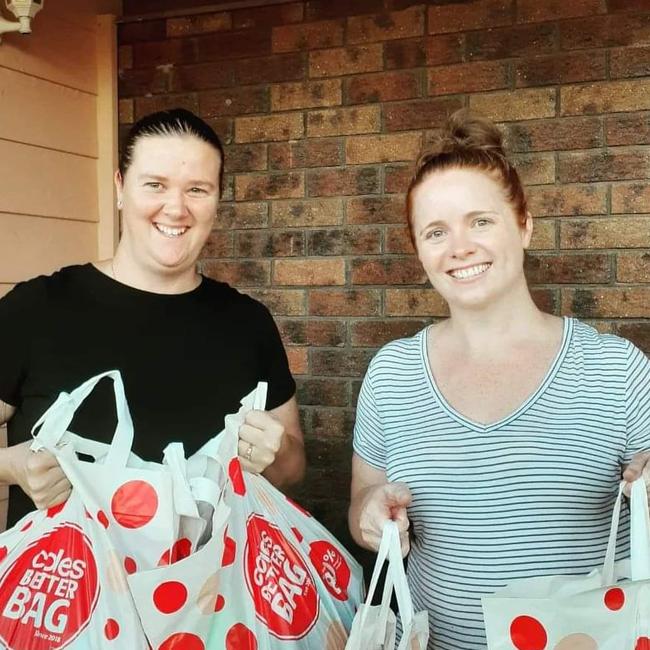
(380, 504)
(38, 474)
(639, 467)
(260, 439)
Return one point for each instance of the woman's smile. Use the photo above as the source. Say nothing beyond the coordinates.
(469, 272)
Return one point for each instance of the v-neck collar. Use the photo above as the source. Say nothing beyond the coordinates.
(524, 406)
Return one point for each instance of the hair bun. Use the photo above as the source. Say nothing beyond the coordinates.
(467, 130)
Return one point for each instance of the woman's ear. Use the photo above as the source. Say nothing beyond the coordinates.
(527, 230)
(119, 186)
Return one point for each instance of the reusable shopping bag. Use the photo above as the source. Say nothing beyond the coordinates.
(62, 576)
(608, 609)
(374, 626)
(266, 575)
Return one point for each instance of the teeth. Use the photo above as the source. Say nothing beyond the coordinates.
(472, 271)
(169, 231)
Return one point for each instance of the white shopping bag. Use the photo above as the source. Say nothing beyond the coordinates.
(374, 626)
(608, 609)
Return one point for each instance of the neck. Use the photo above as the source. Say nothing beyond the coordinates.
(125, 270)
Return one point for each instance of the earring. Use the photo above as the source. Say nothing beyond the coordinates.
(119, 204)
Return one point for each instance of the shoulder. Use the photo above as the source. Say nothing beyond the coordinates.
(228, 295)
(42, 285)
(399, 355)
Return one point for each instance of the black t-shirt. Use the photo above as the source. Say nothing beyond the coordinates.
(186, 359)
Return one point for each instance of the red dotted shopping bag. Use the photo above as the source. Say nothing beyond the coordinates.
(609, 609)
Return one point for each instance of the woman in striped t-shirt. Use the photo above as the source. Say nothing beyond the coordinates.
(499, 434)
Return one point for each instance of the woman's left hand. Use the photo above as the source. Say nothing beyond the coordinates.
(260, 439)
(639, 467)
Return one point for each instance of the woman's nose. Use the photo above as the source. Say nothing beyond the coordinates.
(174, 204)
(461, 244)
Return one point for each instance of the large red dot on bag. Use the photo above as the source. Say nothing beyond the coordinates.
(55, 510)
(642, 643)
(229, 551)
(111, 629)
(239, 637)
(182, 641)
(527, 633)
(170, 596)
(180, 550)
(220, 603)
(236, 476)
(134, 504)
(614, 598)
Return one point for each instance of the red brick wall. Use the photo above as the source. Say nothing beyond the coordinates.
(324, 104)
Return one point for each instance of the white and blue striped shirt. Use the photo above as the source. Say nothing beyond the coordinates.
(529, 495)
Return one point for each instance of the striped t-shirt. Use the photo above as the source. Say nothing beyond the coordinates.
(526, 496)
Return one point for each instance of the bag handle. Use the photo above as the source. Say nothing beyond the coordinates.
(639, 534)
(51, 428)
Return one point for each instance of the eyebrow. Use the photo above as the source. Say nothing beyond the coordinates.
(155, 177)
(468, 215)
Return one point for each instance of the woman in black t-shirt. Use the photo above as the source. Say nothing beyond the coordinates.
(188, 347)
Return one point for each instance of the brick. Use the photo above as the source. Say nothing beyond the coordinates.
(239, 273)
(638, 333)
(523, 40)
(632, 198)
(330, 333)
(381, 87)
(242, 215)
(589, 268)
(434, 50)
(326, 392)
(393, 270)
(547, 300)
(219, 244)
(146, 105)
(398, 178)
(344, 121)
(236, 44)
(619, 232)
(374, 333)
(125, 111)
(141, 31)
(628, 302)
(386, 26)
(479, 14)
(629, 62)
(626, 5)
(398, 240)
(268, 128)
(415, 302)
(338, 302)
(124, 57)
(281, 302)
(199, 24)
(508, 106)
(633, 267)
(154, 53)
(343, 182)
(605, 31)
(332, 422)
(365, 149)
(627, 129)
(201, 76)
(544, 235)
(606, 97)
(532, 11)
(372, 210)
(245, 158)
(340, 8)
(298, 358)
(467, 77)
(344, 241)
(309, 213)
(307, 36)
(145, 81)
(566, 200)
(583, 167)
(228, 189)
(267, 16)
(558, 133)
(535, 169)
(306, 94)
(321, 152)
(265, 243)
(234, 101)
(346, 60)
(562, 68)
(420, 114)
(277, 185)
(269, 69)
(309, 272)
(340, 363)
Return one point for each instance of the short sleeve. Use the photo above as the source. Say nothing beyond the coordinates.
(637, 402)
(17, 312)
(275, 364)
(368, 442)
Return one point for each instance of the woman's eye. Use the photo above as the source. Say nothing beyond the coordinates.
(152, 185)
(481, 222)
(435, 234)
(197, 190)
